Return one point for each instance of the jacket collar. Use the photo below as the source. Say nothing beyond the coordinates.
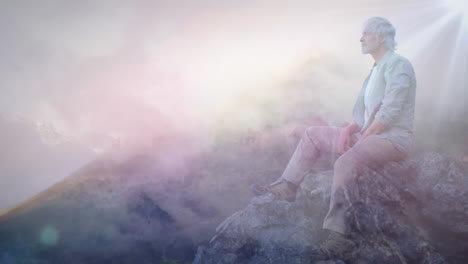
(385, 58)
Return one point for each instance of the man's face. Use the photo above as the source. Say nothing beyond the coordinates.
(370, 42)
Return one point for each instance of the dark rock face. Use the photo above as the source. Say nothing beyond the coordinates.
(438, 203)
(410, 212)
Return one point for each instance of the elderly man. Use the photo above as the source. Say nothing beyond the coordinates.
(380, 132)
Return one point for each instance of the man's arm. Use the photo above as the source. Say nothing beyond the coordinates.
(398, 79)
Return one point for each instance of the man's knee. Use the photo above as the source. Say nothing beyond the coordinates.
(309, 133)
(347, 164)
(308, 143)
(316, 134)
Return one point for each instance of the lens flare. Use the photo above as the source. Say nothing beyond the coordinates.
(49, 236)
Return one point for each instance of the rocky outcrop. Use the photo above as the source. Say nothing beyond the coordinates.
(414, 211)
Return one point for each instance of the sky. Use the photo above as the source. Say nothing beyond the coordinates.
(78, 77)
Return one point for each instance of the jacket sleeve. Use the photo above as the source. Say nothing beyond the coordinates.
(398, 78)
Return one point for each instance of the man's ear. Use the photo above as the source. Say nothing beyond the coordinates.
(382, 40)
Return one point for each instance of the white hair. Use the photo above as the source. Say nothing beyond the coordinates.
(383, 29)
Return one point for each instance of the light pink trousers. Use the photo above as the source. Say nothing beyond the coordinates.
(372, 153)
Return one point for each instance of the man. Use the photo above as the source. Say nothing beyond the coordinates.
(380, 132)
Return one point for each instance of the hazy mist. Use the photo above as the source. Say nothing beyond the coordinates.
(80, 77)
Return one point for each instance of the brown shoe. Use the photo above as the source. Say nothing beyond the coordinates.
(283, 189)
(335, 246)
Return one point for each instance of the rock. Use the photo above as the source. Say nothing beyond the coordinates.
(414, 211)
(437, 202)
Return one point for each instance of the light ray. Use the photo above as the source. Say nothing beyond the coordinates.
(455, 77)
(424, 40)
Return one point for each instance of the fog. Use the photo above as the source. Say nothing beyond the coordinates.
(102, 73)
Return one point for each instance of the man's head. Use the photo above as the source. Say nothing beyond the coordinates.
(378, 34)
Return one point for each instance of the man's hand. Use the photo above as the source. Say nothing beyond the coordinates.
(344, 143)
(375, 128)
